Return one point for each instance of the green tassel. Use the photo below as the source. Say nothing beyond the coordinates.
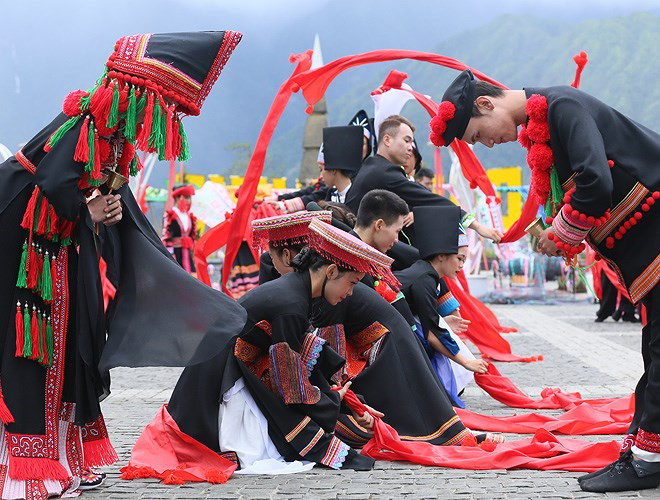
(185, 151)
(155, 135)
(89, 166)
(41, 337)
(64, 128)
(21, 282)
(84, 102)
(37, 287)
(142, 103)
(46, 283)
(27, 339)
(134, 165)
(113, 116)
(162, 145)
(55, 238)
(49, 340)
(131, 116)
(37, 209)
(555, 187)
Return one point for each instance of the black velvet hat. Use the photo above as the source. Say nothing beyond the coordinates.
(437, 230)
(342, 148)
(361, 119)
(454, 111)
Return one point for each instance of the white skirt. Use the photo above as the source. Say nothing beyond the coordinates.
(242, 428)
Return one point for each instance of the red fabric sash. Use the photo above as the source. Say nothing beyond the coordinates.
(483, 332)
(543, 451)
(164, 452)
(503, 389)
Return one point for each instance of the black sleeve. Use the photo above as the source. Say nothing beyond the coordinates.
(425, 304)
(58, 174)
(404, 255)
(580, 138)
(415, 195)
(296, 194)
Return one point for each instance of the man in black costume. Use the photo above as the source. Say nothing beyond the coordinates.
(596, 171)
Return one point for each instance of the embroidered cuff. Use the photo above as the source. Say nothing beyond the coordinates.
(290, 376)
(569, 229)
(336, 454)
(447, 304)
(293, 205)
(648, 441)
(468, 219)
(310, 351)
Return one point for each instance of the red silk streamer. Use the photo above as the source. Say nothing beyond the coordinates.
(237, 224)
(610, 418)
(544, 451)
(482, 332)
(503, 389)
(528, 214)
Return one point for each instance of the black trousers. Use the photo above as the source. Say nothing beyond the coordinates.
(647, 393)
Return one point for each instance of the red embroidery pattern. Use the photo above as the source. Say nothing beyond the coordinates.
(35, 490)
(290, 377)
(336, 454)
(627, 443)
(265, 326)
(74, 454)
(369, 335)
(645, 282)
(648, 441)
(27, 164)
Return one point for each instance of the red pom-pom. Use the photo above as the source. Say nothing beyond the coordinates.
(638, 215)
(540, 157)
(633, 221)
(436, 139)
(538, 131)
(646, 207)
(551, 236)
(523, 138)
(104, 150)
(591, 219)
(583, 217)
(560, 245)
(618, 235)
(548, 220)
(438, 125)
(469, 440)
(598, 222)
(567, 198)
(446, 110)
(71, 104)
(650, 200)
(610, 163)
(623, 230)
(537, 108)
(575, 214)
(627, 224)
(540, 185)
(609, 242)
(487, 445)
(656, 195)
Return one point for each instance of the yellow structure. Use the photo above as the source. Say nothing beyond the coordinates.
(511, 201)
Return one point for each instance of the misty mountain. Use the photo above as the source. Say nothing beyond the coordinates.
(48, 49)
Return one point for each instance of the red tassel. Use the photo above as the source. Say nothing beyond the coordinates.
(170, 477)
(82, 146)
(216, 476)
(34, 334)
(176, 137)
(36, 468)
(28, 216)
(169, 137)
(53, 275)
(101, 102)
(32, 268)
(53, 223)
(43, 356)
(5, 414)
(99, 452)
(581, 61)
(124, 162)
(19, 331)
(131, 472)
(43, 217)
(143, 138)
(96, 172)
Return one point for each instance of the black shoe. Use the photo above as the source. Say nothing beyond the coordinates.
(356, 461)
(627, 475)
(616, 316)
(622, 457)
(91, 479)
(599, 320)
(630, 318)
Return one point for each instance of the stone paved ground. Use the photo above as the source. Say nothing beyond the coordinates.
(599, 360)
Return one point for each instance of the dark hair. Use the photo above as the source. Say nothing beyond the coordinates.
(281, 245)
(380, 204)
(340, 212)
(391, 125)
(310, 260)
(424, 172)
(487, 89)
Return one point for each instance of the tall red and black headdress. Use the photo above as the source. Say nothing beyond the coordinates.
(454, 111)
(150, 82)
